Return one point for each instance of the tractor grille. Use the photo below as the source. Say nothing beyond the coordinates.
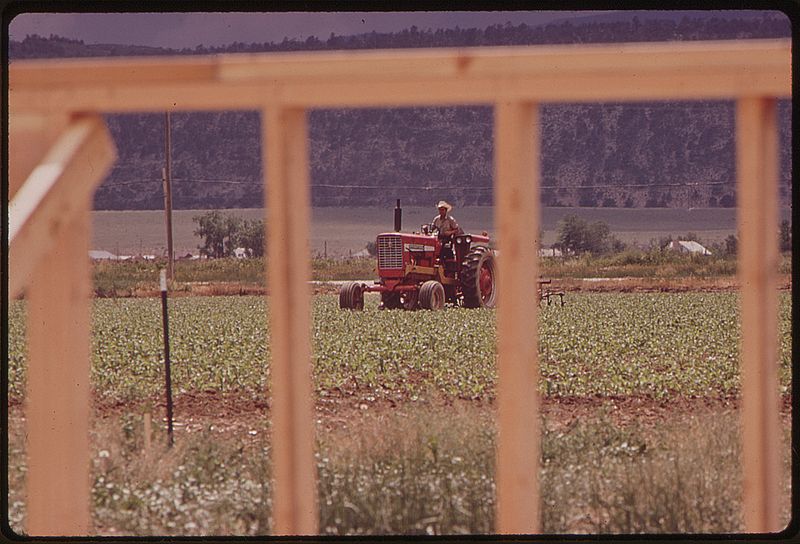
(390, 252)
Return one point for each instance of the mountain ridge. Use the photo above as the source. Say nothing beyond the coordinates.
(666, 154)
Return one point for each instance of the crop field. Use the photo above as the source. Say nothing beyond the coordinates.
(656, 345)
(638, 389)
(347, 230)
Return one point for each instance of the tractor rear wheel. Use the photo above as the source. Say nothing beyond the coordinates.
(351, 296)
(478, 280)
(431, 295)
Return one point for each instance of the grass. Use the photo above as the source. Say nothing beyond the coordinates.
(127, 278)
(416, 472)
(676, 478)
(639, 264)
(635, 263)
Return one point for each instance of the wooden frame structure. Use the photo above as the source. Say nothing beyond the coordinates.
(53, 124)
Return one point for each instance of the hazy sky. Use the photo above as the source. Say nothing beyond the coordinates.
(178, 30)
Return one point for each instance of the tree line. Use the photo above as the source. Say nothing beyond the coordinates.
(223, 233)
(576, 236)
(720, 25)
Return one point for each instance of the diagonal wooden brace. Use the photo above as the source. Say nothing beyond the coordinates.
(53, 193)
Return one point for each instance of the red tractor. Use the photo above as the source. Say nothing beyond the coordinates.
(424, 270)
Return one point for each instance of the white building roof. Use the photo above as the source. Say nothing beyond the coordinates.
(100, 254)
(693, 247)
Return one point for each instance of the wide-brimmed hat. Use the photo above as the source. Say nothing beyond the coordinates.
(443, 204)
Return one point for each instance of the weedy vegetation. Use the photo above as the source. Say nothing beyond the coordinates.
(128, 278)
(416, 472)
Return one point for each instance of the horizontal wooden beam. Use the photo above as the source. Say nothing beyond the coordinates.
(55, 191)
(618, 72)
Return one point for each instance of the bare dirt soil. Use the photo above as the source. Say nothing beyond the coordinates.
(658, 285)
(234, 413)
(570, 285)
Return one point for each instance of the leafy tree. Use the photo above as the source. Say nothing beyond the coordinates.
(251, 238)
(219, 233)
(576, 235)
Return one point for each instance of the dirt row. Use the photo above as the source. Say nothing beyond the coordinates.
(578, 285)
(334, 408)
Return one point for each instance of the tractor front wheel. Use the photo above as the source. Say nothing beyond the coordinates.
(431, 295)
(478, 279)
(351, 296)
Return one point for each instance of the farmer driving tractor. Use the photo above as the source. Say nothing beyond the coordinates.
(447, 226)
(426, 270)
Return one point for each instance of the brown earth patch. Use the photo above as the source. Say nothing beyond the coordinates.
(658, 285)
(336, 407)
(611, 285)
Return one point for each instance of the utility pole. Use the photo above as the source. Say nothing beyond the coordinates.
(167, 177)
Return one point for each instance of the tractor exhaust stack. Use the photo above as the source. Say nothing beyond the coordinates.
(398, 217)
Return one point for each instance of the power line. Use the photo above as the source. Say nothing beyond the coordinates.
(180, 181)
(472, 187)
(425, 188)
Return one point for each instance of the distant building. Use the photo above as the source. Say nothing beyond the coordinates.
(550, 252)
(101, 255)
(688, 246)
(362, 253)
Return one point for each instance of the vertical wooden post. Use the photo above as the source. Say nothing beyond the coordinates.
(58, 385)
(516, 217)
(168, 194)
(30, 136)
(285, 144)
(757, 172)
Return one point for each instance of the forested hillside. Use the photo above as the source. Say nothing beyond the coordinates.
(624, 155)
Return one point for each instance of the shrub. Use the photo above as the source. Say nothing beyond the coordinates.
(577, 236)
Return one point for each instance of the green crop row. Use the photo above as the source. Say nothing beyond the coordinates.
(656, 345)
